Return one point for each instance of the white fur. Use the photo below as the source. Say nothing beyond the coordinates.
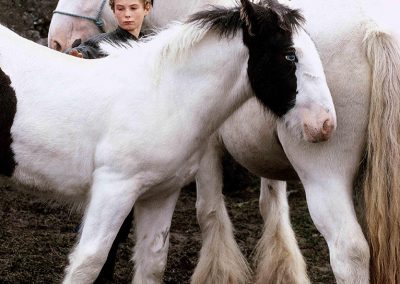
(220, 258)
(327, 170)
(250, 136)
(99, 130)
(278, 257)
(224, 263)
(111, 143)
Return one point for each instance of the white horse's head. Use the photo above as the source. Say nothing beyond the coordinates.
(313, 118)
(268, 35)
(67, 26)
(79, 20)
(311, 114)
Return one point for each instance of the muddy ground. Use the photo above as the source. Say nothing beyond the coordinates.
(36, 236)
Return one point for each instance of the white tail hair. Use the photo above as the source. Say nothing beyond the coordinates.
(382, 178)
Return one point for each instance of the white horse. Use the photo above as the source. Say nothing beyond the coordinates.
(85, 18)
(77, 19)
(109, 140)
(359, 49)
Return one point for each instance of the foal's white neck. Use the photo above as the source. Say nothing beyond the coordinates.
(208, 83)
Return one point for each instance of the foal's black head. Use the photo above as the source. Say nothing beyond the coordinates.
(267, 32)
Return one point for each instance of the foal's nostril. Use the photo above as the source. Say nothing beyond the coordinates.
(55, 45)
(76, 43)
(327, 128)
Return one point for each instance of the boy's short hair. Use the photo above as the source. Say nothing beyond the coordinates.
(112, 3)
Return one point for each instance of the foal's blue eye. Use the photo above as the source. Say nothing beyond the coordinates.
(291, 57)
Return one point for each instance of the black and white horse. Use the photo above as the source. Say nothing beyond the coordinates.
(359, 46)
(132, 128)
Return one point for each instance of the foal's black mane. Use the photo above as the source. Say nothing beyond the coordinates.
(223, 20)
(227, 21)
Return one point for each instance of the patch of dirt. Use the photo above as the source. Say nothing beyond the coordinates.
(36, 236)
(29, 18)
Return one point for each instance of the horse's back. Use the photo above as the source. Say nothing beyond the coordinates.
(59, 113)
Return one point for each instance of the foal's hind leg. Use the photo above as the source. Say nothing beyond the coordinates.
(278, 256)
(220, 258)
(110, 202)
(153, 220)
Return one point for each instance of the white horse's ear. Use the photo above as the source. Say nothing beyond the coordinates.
(247, 15)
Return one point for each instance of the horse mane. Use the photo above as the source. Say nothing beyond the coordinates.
(114, 47)
(173, 42)
(161, 46)
(227, 21)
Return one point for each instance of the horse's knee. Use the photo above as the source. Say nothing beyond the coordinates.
(350, 259)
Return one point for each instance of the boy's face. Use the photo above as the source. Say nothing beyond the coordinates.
(130, 14)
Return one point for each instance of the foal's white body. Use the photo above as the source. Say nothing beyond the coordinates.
(103, 141)
(340, 29)
(104, 137)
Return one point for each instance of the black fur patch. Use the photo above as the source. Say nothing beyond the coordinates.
(269, 39)
(8, 108)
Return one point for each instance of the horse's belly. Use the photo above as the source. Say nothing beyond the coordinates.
(62, 170)
(53, 179)
(179, 173)
(250, 137)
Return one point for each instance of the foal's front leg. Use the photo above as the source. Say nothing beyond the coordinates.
(111, 199)
(153, 221)
(278, 256)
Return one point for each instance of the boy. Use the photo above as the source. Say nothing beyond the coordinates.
(129, 14)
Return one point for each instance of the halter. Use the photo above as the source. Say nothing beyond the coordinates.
(98, 21)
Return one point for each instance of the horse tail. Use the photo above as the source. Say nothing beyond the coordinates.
(381, 184)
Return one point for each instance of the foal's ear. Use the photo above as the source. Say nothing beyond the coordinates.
(247, 15)
(286, 18)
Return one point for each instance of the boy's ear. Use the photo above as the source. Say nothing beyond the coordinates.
(148, 7)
